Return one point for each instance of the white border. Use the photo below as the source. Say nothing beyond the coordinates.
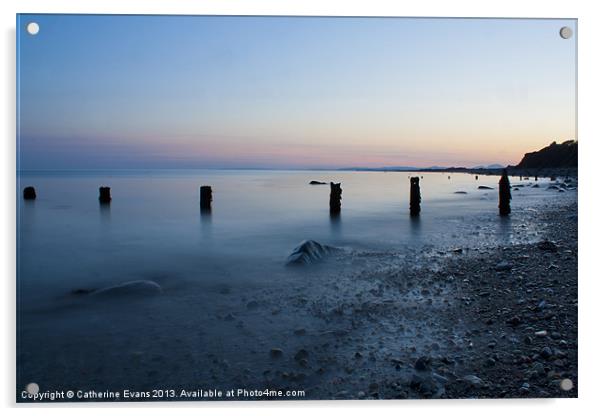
(590, 68)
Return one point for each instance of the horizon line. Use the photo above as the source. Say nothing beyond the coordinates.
(350, 168)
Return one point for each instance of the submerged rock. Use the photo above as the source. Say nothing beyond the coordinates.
(317, 183)
(276, 353)
(302, 354)
(485, 187)
(460, 192)
(309, 251)
(133, 288)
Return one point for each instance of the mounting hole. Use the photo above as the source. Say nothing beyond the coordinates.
(32, 388)
(33, 28)
(566, 32)
(566, 384)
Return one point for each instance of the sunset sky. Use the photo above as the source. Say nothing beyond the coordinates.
(104, 92)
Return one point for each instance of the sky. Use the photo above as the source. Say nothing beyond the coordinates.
(119, 92)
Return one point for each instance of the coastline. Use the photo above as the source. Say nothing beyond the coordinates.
(512, 171)
(519, 307)
(488, 323)
(427, 322)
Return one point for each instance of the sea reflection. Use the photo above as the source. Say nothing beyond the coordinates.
(335, 224)
(505, 229)
(105, 213)
(415, 226)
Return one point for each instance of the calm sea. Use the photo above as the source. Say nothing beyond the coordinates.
(154, 225)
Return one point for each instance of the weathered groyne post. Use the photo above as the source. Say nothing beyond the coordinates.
(505, 196)
(415, 198)
(206, 198)
(104, 194)
(29, 193)
(335, 197)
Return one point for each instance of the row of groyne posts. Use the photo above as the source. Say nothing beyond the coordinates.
(336, 195)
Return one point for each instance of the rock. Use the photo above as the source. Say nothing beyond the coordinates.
(82, 291)
(422, 364)
(317, 183)
(276, 353)
(460, 192)
(539, 369)
(546, 353)
(503, 266)
(428, 385)
(341, 394)
(484, 187)
(514, 321)
(302, 354)
(457, 250)
(300, 331)
(133, 288)
(472, 379)
(547, 246)
(308, 252)
(541, 334)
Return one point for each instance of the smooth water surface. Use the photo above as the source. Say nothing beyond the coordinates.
(154, 224)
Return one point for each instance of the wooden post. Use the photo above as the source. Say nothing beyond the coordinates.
(104, 194)
(206, 198)
(505, 196)
(335, 197)
(415, 198)
(476, 177)
(29, 193)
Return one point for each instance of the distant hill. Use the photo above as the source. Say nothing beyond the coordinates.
(563, 155)
(384, 168)
(494, 166)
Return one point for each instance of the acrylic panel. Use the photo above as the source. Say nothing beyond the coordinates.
(295, 208)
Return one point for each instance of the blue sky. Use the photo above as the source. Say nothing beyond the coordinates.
(289, 92)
